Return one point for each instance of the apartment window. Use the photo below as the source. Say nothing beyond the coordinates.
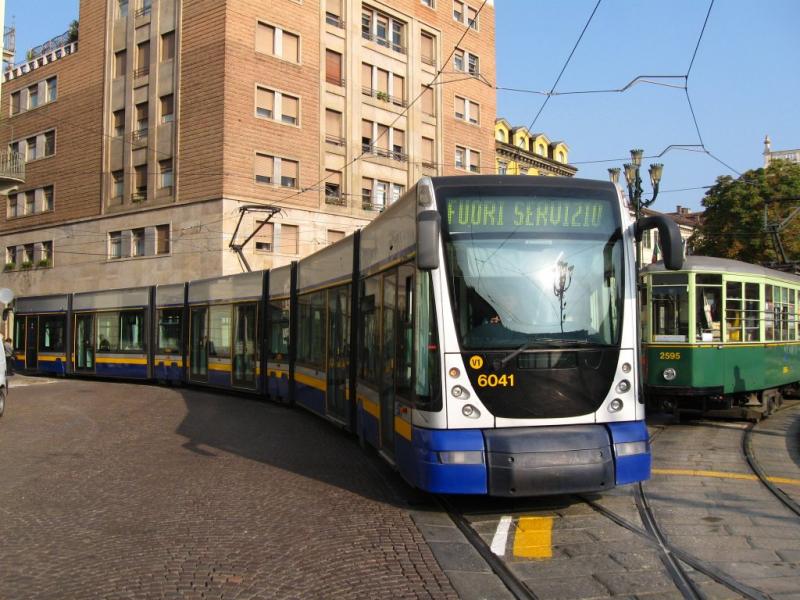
(500, 135)
(474, 161)
(289, 239)
(265, 237)
(137, 242)
(48, 199)
(458, 11)
(115, 244)
(33, 96)
(52, 89)
(165, 168)
(31, 145)
(140, 174)
(290, 109)
(398, 36)
(427, 152)
(12, 207)
(333, 68)
(277, 42)
(472, 18)
(167, 108)
(50, 142)
(122, 8)
(427, 100)
(427, 49)
(378, 27)
(333, 13)
(467, 110)
(458, 60)
(27, 254)
(383, 83)
(366, 135)
(162, 239)
(289, 173)
(333, 127)
(142, 59)
(120, 63)
(265, 103)
(334, 236)
(30, 202)
(379, 194)
(540, 150)
(46, 255)
(265, 168)
(461, 108)
(11, 255)
(333, 187)
(141, 119)
(398, 89)
(167, 46)
(502, 168)
(398, 144)
(397, 191)
(15, 102)
(119, 123)
(366, 193)
(460, 157)
(429, 3)
(117, 185)
(473, 64)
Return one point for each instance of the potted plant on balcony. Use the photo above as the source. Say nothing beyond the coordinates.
(72, 32)
(10, 266)
(44, 263)
(26, 264)
(382, 96)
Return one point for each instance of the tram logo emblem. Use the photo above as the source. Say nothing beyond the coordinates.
(476, 362)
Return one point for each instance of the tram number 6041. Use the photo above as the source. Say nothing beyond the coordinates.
(495, 380)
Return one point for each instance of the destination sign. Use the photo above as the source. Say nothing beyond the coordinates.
(546, 215)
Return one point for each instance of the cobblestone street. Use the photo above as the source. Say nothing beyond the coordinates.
(115, 490)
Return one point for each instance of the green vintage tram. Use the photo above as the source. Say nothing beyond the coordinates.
(720, 337)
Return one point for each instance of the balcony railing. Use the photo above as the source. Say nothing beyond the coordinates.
(367, 91)
(141, 72)
(40, 60)
(139, 196)
(335, 140)
(139, 134)
(335, 20)
(384, 152)
(428, 60)
(335, 80)
(368, 204)
(12, 166)
(335, 198)
(381, 41)
(143, 12)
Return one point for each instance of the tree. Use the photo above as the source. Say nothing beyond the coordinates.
(733, 223)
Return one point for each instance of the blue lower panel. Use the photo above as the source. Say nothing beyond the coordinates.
(167, 371)
(278, 387)
(54, 367)
(428, 473)
(125, 370)
(368, 426)
(310, 397)
(635, 467)
(219, 378)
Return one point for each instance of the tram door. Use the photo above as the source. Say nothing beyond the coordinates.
(84, 343)
(338, 366)
(245, 356)
(198, 355)
(387, 366)
(32, 343)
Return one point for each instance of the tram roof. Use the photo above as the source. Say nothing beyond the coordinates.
(517, 181)
(724, 265)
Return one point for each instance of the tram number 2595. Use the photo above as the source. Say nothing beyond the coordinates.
(669, 356)
(493, 380)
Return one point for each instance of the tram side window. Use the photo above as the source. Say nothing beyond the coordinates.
(278, 329)
(426, 351)
(219, 331)
(107, 332)
(52, 331)
(310, 348)
(709, 313)
(370, 330)
(131, 331)
(405, 332)
(792, 316)
(19, 334)
(670, 313)
(169, 330)
(734, 321)
(752, 313)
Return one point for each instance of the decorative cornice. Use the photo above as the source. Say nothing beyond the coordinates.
(526, 158)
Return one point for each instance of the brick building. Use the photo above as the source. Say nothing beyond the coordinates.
(147, 132)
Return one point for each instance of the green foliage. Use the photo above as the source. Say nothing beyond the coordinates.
(26, 265)
(72, 32)
(44, 263)
(10, 266)
(733, 223)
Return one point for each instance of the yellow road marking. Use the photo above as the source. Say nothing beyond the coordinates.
(534, 537)
(724, 475)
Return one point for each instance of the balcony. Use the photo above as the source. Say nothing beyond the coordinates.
(51, 51)
(335, 81)
(334, 140)
(382, 41)
(384, 96)
(334, 20)
(141, 72)
(335, 198)
(12, 171)
(143, 12)
(384, 152)
(368, 204)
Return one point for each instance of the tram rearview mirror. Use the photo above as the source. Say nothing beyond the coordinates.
(429, 224)
(669, 235)
(6, 312)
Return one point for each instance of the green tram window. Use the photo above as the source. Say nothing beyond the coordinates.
(220, 327)
(780, 314)
(752, 313)
(311, 322)
(792, 316)
(279, 329)
(708, 313)
(734, 321)
(670, 300)
(52, 333)
(370, 331)
(169, 330)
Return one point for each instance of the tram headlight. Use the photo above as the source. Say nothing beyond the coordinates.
(623, 386)
(470, 411)
(459, 392)
(626, 367)
(454, 372)
(615, 405)
(669, 374)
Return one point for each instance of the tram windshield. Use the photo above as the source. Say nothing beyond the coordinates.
(535, 271)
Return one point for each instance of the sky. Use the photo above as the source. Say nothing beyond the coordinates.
(744, 83)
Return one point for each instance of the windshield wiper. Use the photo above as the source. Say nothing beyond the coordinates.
(553, 343)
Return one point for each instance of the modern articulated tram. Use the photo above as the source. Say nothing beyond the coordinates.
(481, 334)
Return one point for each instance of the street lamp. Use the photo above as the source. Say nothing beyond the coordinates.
(634, 181)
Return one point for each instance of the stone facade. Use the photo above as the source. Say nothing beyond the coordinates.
(169, 116)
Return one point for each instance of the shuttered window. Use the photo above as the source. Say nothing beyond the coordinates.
(366, 75)
(460, 108)
(398, 87)
(265, 237)
(383, 81)
(291, 47)
(264, 168)
(265, 103)
(289, 239)
(333, 124)
(474, 161)
(333, 67)
(427, 151)
(290, 109)
(427, 100)
(426, 50)
(265, 38)
(474, 112)
(288, 173)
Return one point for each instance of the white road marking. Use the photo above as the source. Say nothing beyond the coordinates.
(501, 536)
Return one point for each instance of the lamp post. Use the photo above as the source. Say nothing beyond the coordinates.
(634, 181)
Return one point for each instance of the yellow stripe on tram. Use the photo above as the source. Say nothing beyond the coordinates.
(108, 360)
(310, 381)
(371, 407)
(534, 537)
(724, 475)
(402, 428)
